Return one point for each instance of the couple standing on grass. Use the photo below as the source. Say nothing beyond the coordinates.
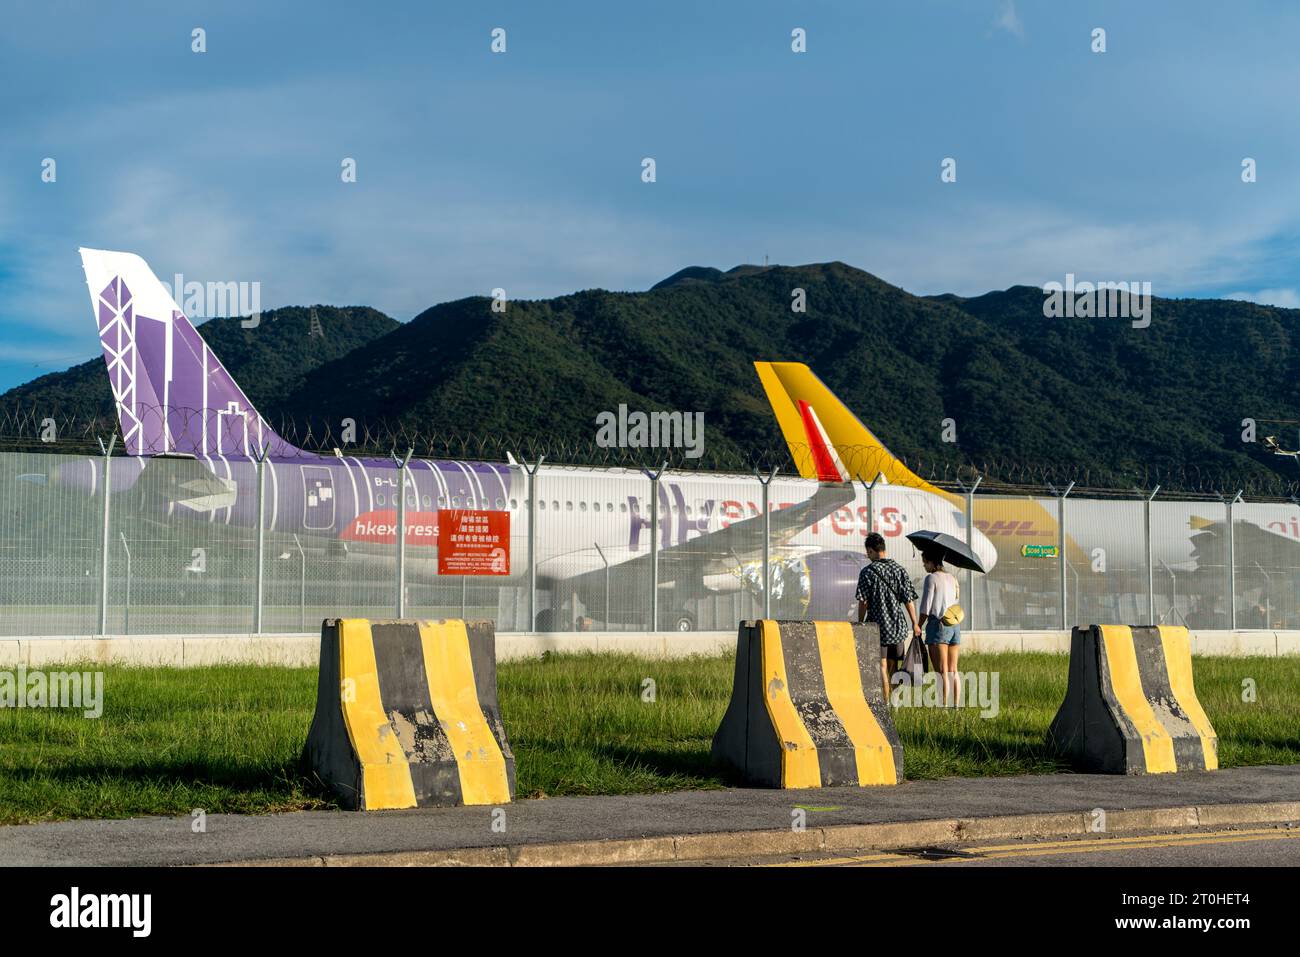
(885, 593)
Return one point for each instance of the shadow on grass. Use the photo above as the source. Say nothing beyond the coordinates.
(170, 773)
(1001, 754)
(662, 762)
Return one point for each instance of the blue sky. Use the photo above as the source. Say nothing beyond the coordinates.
(522, 170)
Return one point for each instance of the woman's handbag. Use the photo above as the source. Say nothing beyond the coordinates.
(954, 615)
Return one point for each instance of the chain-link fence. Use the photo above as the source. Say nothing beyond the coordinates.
(107, 544)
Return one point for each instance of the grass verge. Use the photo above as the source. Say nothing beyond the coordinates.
(227, 739)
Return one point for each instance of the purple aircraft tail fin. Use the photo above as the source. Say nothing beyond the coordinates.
(173, 395)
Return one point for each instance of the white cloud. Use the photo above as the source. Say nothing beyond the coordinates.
(375, 252)
(397, 242)
(977, 247)
(1286, 298)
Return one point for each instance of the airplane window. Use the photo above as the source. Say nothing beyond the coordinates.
(514, 503)
(555, 505)
(426, 501)
(455, 501)
(622, 506)
(441, 501)
(568, 506)
(412, 501)
(609, 506)
(542, 505)
(379, 499)
(582, 506)
(500, 504)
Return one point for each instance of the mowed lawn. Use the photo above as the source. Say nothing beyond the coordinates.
(228, 739)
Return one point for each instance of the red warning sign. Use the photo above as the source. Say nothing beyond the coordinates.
(473, 542)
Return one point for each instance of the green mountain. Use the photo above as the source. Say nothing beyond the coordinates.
(1033, 399)
(269, 361)
(1174, 394)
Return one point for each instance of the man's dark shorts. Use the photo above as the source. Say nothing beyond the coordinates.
(894, 652)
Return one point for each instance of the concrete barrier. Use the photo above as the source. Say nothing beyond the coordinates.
(1131, 706)
(808, 708)
(407, 715)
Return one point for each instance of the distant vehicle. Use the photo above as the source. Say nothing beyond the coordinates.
(175, 400)
(1270, 443)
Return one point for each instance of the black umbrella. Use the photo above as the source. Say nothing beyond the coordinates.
(955, 551)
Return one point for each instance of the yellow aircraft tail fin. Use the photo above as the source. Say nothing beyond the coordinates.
(826, 440)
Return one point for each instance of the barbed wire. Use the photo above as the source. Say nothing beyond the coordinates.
(34, 431)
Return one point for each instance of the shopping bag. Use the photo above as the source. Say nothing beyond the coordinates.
(914, 663)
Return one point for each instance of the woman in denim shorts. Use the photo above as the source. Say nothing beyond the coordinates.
(938, 593)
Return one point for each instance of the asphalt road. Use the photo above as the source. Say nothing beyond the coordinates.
(232, 837)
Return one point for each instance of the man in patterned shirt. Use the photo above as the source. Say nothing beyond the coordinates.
(884, 592)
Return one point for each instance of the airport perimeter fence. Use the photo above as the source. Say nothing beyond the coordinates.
(114, 545)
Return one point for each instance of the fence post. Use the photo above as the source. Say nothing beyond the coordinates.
(302, 585)
(871, 509)
(1151, 569)
(103, 542)
(970, 543)
(401, 531)
(601, 552)
(531, 472)
(654, 544)
(767, 540)
(871, 500)
(261, 539)
(1060, 558)
(1232, 564)
(126, 601)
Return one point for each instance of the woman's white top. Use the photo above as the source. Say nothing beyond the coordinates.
(938, 594)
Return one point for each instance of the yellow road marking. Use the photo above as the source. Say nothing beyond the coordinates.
(1094, 847)
(827, 861)
(1078, 846)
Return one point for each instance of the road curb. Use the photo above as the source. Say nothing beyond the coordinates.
(743, 844)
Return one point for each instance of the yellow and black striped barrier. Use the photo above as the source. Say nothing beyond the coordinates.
(808, 708)
(407, 715)
(1131, 705)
